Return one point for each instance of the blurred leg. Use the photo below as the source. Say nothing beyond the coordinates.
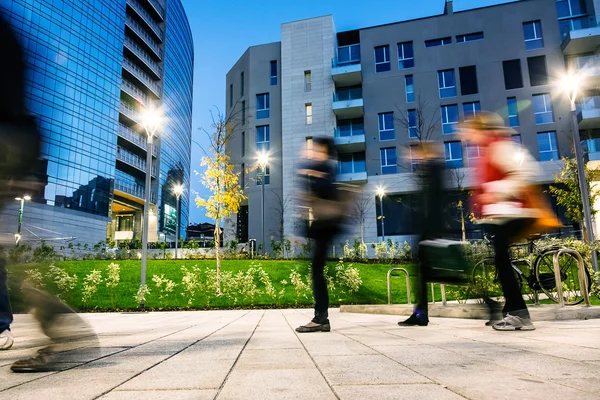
(6, 316)
(320, 292)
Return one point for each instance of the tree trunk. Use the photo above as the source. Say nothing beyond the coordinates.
(462, 222)
(362, 239)
(217, 251)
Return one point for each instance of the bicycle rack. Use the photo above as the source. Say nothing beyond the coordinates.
(389, 284)
(443, 290)
(583, 283)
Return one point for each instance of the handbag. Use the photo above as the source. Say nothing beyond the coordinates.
(444, 261)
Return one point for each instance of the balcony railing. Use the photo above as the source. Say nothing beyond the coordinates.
(159, 8)
(576, 24)
(134, 92)
(349, 130)
(145, 57)
(133, 189)
(589, 103)
(346, 94)
(134, 160)
(346, 55)
(141, 32)
(139, 9)
(142, 76)
(129, 111)
(136, 138)
(588, 65)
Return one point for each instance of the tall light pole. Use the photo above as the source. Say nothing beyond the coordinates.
(571, 83)
(150, 119)
(381, 193)
(22, 200)
(263, 162)
(178, 191)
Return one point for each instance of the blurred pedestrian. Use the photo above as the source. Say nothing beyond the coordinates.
(322, 197)
(510, 204)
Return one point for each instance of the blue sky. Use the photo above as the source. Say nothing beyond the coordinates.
(223, 30)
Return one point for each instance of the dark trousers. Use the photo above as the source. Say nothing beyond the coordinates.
(421, 307)
(503, 237)
(322, 236)
(6, 316)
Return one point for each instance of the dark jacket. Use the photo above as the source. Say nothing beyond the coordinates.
(431, 175)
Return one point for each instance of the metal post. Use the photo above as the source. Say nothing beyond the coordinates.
(585, 197)
(264, 167)
(145, 227)
(20, 220)
(382, 218)
(177, 227)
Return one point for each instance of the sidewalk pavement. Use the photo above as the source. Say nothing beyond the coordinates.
(257, 355)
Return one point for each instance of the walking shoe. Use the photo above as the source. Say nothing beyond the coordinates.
(415, 320)
(514, 323)
(6, 340)
(314, 327)
(43, 361)
(495, 310)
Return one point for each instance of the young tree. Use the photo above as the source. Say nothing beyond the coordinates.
(282, 208)
(362, 205)
(567, 193)
(219, 177)
(425, 123)
(458, 178)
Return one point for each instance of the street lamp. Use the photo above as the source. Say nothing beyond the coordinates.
(381, 193)
(178, 191)
(263, 162)
(22, 200)
(151, 119)
(571, 83)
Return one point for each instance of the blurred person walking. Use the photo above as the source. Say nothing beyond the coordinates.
(510, 204)
(321, 195)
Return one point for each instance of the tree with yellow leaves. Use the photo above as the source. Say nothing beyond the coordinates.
(223, 182)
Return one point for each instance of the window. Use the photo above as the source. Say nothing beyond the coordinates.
(259, 175)
(469, 37)
(231, 95)
(533, 35)
(308, 112)
(447, 83)
(386, 126)
(350, 127)
(516, 139)
(569, 8)
(382, 58)
(410, 88)
(414, 160)
(438, 42)
(454, 156)
(547, 146)
(273, 72)
(348, 93)
(542, 109)
(449, 119)
(406, 56)
(262, 106)
(388, 161)
(351, 163)
(537, 71)
(468, 80)
(243, 176)
(513, 79)
(243, 144)
(263, 138)
(413, 132)
(349, 54)
(307, 81)
(473, 152)
(470, 110)
(513, 112)
(309, 143)
(244, 112)
(242, 84)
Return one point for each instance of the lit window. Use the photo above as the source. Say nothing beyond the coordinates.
(382, 58)
(309, 113)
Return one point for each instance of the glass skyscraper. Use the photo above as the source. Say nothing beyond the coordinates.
(93, 66)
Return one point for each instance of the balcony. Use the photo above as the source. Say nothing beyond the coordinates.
(346, 68)
(589, 66)
(592, 149)
(581, 35)
(134, 160)
(349, 139)
(134, 92)
(588, 112)
(144, 57)
(129, 112)
(135, 138)
(159, 9)
(147, 18)
(144, 36)
(133, 190)
(356, 177)
(348, 103)
(143, 77)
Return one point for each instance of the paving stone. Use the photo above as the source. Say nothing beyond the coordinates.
(161, 395)
(395, 392)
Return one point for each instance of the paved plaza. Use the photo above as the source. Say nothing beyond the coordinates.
(257, 355)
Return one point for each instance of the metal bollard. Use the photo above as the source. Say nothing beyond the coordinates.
(389, 286)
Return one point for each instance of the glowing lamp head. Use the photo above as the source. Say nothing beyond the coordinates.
(570, 84)
(263, 159)
(380, 192)
(151, 118)
(178, 190)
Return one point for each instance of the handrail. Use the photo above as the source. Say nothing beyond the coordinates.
(145, 57)
(140, 31)
(147, 18)
(142, 76)
(583, 281)
(389, 286)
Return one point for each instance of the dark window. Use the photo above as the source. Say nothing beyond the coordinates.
(513, 79)
(537, 70)
(468, 80)
(243, 176)
(244, 112)
(438, 42)
(469, 37)
(382, 58)
(262, 106)
(231, 95)
(243, 144)
(406, 55)
(242, 84)
(274, 72)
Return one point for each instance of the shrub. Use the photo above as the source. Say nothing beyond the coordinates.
(113, 277)
(347, 277)
(34, 278)
(90, 285)
(301, 288)
(64, 282)
(191, 283)
(141, 294)
(44, 253)
(164, 286)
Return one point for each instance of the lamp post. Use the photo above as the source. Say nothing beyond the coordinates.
(263, 162)
(381, 193)
(571, 83)
(22, 200)
(178, 191)
(150, 119)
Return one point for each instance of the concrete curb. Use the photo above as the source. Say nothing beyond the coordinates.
(477, 311)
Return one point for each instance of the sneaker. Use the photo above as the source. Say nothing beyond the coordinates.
(415, 320)
(6, 340)
(495, 311)
(514, 323)
(314, 328)
(43, 361)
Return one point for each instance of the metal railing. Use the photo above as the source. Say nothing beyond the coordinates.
(347, 55)
(353, 132)
(579, 23)
(136, 138)
(158, 7)
(589, 64)
(141, 32)
(131, 159)
(346, 94)
(129, 111)
(145, 57)
(139, 9)
(142, 76)
(134, 92)
(588, 103)
(134, 190)
(583, 280)
(389, 284)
